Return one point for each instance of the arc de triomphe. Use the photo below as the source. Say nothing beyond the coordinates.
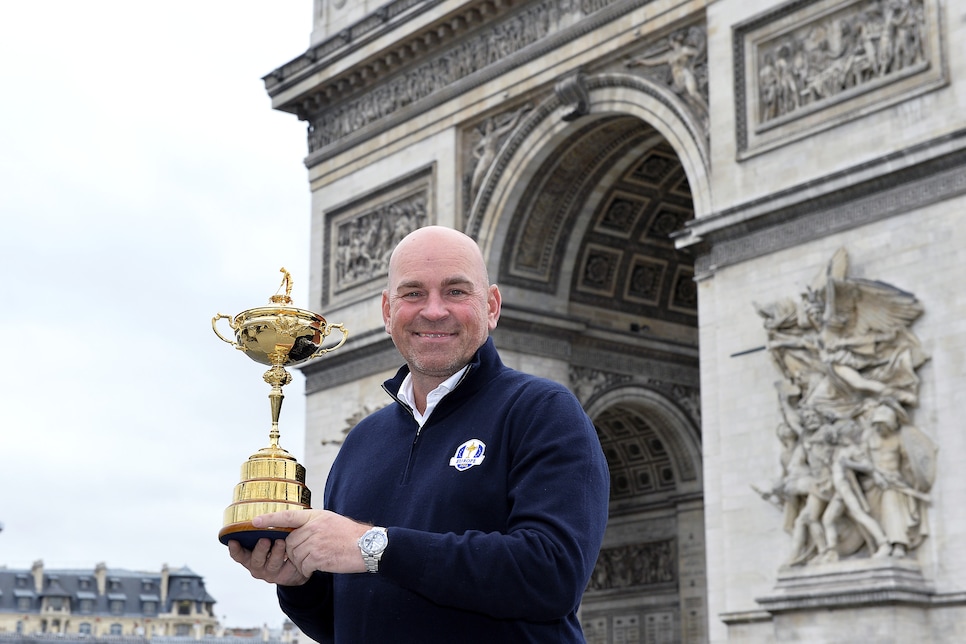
(735, 229)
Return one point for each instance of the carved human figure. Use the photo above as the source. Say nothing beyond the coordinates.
(849, 499)
(897, 491)
(897, 40)
(791, 489)
(811, 487)
(768, 89)
(681, 58)
(486, 149)
(788, 89)
(867, 63)
(907, 41)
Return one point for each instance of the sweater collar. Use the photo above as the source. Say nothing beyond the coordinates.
(483, 361)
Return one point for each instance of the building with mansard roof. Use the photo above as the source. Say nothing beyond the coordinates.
(105, 602)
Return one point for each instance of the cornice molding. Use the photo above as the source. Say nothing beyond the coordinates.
(351, 39)
(405, 80)
(884, 187)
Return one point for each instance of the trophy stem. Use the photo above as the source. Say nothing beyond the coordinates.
(277, 376)
(276, 399)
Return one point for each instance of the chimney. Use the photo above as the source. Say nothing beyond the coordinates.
(100, 574)
(164, 585)
(38, 572)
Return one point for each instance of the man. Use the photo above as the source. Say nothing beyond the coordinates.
(850, 456)
(477, 501)
(898, 488)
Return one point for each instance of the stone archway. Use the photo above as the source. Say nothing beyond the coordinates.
(550, 126)
(649, 584)
(577, 219)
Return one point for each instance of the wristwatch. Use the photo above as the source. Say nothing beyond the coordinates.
(372, 544)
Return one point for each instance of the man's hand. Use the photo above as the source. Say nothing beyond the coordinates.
(268, 561)
(321, 540)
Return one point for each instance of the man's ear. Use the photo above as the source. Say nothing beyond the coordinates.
(386, 316)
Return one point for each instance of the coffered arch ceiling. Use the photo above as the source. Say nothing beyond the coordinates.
(596, 224)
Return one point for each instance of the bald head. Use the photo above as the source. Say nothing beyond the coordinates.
(435, 244)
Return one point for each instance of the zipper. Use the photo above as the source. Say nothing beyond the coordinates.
(412, 448)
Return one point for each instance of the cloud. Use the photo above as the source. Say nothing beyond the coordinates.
(148, 185)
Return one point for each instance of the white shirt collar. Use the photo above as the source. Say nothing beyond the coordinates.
(432, 399)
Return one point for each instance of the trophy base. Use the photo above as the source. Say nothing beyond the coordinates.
(272, 481)
(248, 535)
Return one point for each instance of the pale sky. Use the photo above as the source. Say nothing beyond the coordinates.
(145, 185)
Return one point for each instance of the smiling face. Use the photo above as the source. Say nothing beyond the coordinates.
(439, 307)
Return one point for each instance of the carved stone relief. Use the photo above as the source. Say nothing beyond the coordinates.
(635, 565)
(836, 53)
(362, 234)
(795, 65)
(681, 62)
(494, 43)
(483, 142)
(855, 469)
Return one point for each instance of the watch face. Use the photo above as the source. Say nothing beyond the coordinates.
(374, 542)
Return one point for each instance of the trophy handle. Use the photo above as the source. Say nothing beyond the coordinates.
(328, 329)
(214, 327)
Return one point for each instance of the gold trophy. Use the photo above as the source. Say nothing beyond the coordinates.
(278, 335)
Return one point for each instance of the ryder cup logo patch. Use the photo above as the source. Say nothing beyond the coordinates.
(470, 453)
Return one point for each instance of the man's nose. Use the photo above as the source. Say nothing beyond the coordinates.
(435, 307)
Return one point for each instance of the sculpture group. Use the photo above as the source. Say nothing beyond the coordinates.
(859, 45)
(856, 472)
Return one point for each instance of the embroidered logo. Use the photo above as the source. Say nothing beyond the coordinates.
(470, 453)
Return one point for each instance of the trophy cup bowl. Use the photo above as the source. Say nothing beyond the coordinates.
(278, 335)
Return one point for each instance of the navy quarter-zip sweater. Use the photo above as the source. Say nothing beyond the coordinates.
(495, 512)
